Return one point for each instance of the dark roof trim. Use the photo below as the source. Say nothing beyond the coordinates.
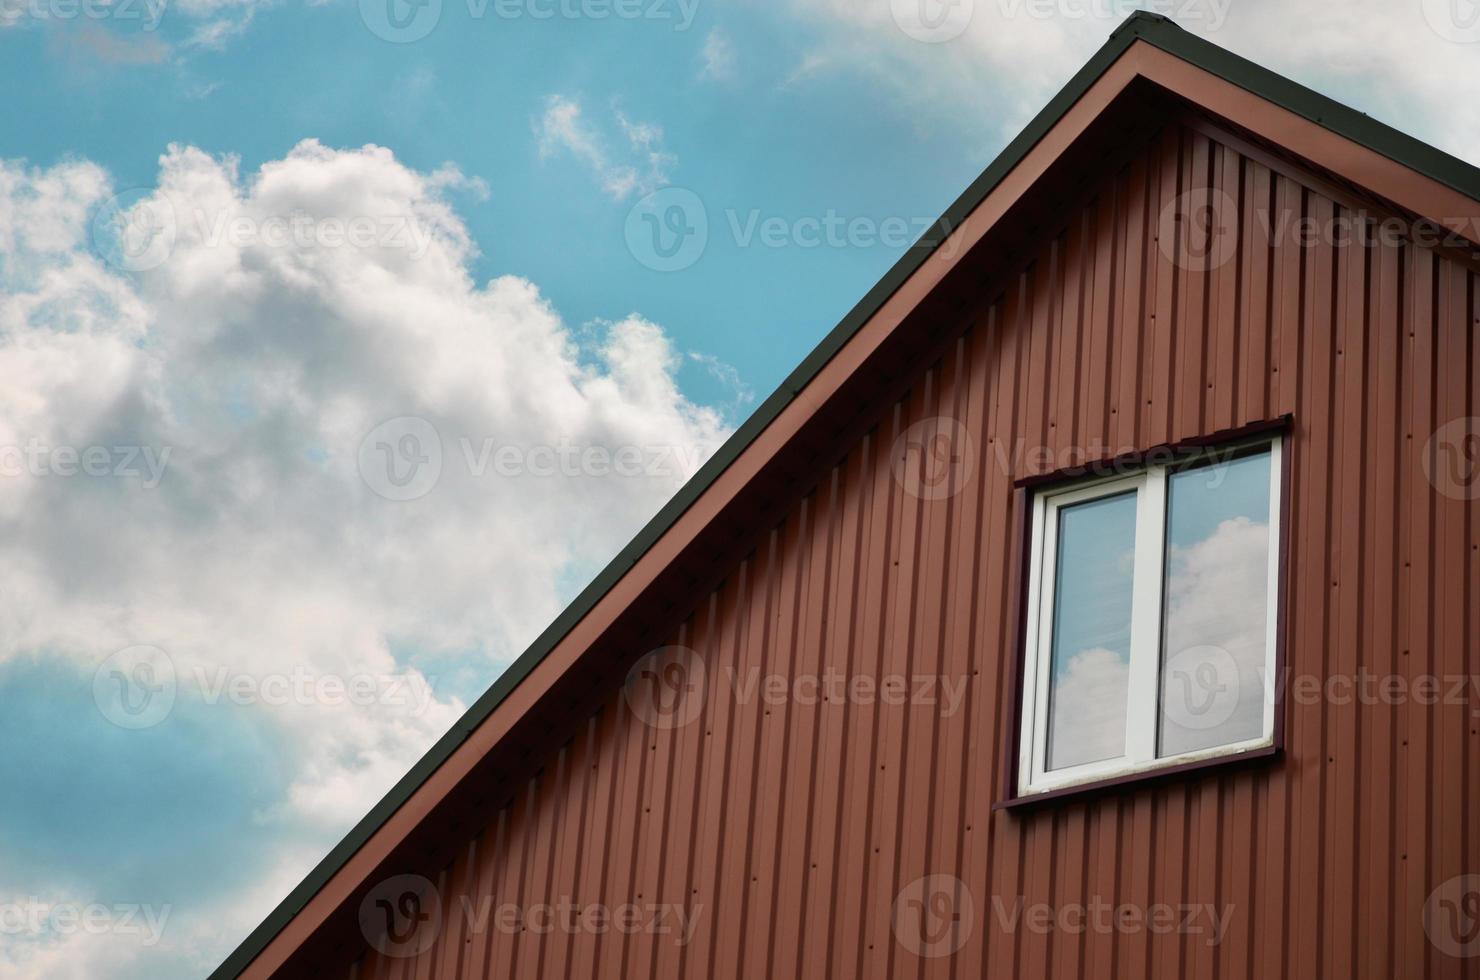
(1152, 28)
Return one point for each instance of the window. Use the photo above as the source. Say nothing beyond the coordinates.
(1151, 617)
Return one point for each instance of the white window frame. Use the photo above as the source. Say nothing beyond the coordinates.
(1143, 681)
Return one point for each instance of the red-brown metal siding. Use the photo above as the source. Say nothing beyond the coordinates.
(789, 829)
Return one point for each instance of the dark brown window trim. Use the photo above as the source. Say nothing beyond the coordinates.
(1024, 488)
(1166, 453)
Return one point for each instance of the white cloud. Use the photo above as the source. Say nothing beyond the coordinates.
(641, 165)
(260, 353)
(718, 56)
(1217, 602)
(1087, 716)
(1380, 57)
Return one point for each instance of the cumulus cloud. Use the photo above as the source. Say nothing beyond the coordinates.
(1215, 640)
(1396, 61)
(1087, 718)
(636, 161)
(275, 339)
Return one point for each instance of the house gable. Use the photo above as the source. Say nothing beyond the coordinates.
(1055, 317)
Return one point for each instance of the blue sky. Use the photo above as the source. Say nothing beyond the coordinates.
(278, 382)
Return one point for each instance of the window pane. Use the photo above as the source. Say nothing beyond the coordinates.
(1217, 604)
(1091, 631)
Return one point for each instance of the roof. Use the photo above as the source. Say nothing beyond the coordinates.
(1450, 182)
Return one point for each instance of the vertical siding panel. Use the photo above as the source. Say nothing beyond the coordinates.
(540, 907)
(1162, 348)
(714, 823)
(1312, 583)
(778, 638)
(908, 542)
(1034, 886)
(992, 843)
(1451, 717)
(592, 850)
(624, 821)
(951, 662)
(1470, 852)
(1100, 324)
(1274, 919)
(1016, 843)
(450, 951)
(1131, 294)
(1257, 236)
(1414, 774)
(836, 777)
(1376, 847)
(655, 834)
(1188, 379)
(674, 893)
(490, 866)
(872, 574)
(963, 821)
(1352, 584)
(798, 867)
(731, 905)
(1231, 252)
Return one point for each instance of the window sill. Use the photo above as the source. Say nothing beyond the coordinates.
(1081, 791)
